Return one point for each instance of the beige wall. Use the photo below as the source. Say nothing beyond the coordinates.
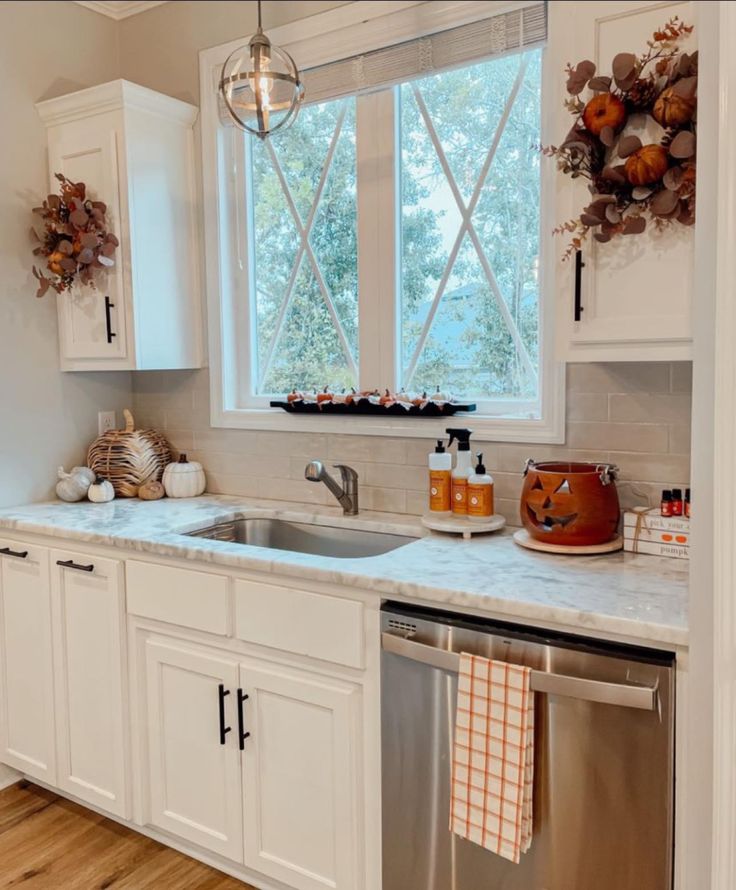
(634, 414)
(46, 417)
(160, 49)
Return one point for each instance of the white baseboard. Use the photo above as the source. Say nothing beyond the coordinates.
(8, 776)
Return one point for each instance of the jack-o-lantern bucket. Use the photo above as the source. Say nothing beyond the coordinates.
(570, 503)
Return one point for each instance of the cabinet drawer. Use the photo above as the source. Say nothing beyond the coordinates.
(179, 596)
(303, 623)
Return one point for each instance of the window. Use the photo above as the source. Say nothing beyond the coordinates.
(391, 237)
(470, 193)
(303, 203)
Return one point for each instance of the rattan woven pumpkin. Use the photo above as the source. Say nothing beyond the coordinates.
(129, 457)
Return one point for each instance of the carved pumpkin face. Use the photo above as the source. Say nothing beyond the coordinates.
(551, 507)
(569, 503)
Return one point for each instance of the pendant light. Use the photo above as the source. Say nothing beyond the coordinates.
(260, 86)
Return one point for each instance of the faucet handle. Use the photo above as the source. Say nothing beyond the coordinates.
(349, 475)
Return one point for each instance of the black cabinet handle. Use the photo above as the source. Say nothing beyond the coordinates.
(70, 564)
(108, 320)
(579, 266)
(18, 554)
(224, 730)
(242, 697)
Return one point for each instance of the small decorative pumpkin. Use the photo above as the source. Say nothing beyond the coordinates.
(604, 110)
(646, 165)
(184, 479)
(151, 491)
(672, 109)
(101, 491)
(570, 503)
(73, 486)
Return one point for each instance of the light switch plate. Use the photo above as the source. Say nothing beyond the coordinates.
(106, 421)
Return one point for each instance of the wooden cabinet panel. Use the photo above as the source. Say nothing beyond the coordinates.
(300, 777)
(91, 692)
(26, 676)
(194, 780)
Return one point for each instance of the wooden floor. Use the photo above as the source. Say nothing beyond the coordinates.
(48, 843)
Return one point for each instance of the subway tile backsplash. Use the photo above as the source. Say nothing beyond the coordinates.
(634, 414)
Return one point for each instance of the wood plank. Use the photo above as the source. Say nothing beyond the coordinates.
(48, 842)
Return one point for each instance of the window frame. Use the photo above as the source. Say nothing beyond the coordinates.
(349, 30)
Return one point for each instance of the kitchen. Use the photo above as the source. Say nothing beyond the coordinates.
(260, 669)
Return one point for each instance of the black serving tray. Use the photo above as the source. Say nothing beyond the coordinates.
(363, 406)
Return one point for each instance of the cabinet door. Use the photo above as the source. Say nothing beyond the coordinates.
(193, 768)
(26, 675)
(301, 777)
(635, 290)
(91, 724)
(92, 322)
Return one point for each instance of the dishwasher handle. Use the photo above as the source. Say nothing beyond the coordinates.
(624, 695)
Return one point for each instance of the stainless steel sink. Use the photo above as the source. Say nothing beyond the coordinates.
(303, 537)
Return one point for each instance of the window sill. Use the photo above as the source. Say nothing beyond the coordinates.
(485, 428)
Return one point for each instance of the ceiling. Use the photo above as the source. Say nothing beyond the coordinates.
(119, 9)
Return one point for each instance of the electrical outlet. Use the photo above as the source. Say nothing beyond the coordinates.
(106, 421)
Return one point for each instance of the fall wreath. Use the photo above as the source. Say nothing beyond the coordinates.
(633, 182)
(75, 240)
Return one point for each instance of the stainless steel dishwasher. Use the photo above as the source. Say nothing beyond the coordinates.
(604, 758)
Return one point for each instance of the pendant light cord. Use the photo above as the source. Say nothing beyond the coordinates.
(260, 28)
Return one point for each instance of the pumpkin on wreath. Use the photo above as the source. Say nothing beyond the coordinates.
(632, 183)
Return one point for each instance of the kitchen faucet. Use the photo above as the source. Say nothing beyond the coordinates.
(347, 494)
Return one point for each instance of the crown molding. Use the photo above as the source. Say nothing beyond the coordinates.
(113, 96)
(119, 9)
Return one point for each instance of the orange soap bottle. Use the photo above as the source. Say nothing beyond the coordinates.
(440, 480)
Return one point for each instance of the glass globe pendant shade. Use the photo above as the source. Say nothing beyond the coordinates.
(260, 86)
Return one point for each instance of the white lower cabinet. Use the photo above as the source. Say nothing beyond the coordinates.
(193, 757)
(26, 688)
(91, 697)
(300, 777)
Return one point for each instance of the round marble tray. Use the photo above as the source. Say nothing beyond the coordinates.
(465, 527)
(524, 539)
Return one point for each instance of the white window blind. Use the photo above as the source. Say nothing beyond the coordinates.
(402, 62)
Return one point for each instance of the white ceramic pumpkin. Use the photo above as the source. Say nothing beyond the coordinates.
(73, 486)
(184, 479)
(101, 491)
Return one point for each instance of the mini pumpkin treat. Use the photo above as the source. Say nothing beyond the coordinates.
(570, 503)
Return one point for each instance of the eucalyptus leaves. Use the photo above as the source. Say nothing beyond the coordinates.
(75, 241)
(633, 182)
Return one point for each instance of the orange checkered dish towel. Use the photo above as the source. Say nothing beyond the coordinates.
(493, 760)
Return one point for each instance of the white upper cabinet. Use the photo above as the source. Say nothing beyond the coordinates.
(133, 148)
(635, 291)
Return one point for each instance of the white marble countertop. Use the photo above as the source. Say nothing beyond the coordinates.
(636, 596)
